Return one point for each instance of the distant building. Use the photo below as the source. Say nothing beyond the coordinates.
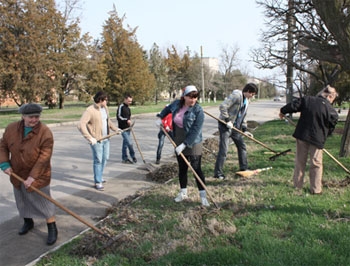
(212, 63)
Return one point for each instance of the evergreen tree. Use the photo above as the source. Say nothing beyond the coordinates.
(128, 70)
(177, 70)
(25, 41)
(36, 47)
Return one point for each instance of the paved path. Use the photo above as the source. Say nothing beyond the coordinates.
(72, 183)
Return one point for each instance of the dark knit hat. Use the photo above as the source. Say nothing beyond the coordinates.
(30, 109)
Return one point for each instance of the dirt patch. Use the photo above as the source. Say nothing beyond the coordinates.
(252, 125)
(338, 131)
(163, 173)
(337, 183)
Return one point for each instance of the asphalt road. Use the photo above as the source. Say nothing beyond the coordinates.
(72, 182)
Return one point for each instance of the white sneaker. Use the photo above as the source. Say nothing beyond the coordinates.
(99, 186)
(205, 202)
(180, 197)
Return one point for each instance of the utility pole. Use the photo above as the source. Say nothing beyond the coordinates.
(202, 66)
(290, 52)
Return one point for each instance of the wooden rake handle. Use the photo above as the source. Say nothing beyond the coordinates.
(61, 206)
(242, 133)
(189, 165)
(109, 135)
(334, 159)
(117, 133)
(137, 145)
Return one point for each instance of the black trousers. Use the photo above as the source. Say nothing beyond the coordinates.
(196, 162)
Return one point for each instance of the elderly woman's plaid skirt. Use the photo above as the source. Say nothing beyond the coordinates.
(31, 204)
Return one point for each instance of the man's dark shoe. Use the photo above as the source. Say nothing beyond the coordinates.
(157, 161)
(52, 233)
(28, 225)
(313, 193)
(127, 161)
(134, 160)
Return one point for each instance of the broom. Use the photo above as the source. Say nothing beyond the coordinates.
(249, 173)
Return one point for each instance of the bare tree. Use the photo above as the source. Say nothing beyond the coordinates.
(321, 37)
(229, 63)
(288, 21)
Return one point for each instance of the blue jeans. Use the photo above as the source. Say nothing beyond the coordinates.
(127, 144)
(237, 138)
(100, 154)
(161, 137)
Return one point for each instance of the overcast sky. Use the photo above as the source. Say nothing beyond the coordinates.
(212, 24)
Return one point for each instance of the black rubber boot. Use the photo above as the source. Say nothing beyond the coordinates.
(52, 233)
(28, 225)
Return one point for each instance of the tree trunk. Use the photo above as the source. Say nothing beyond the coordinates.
(290, 53)
(61, 100)
(345, 140)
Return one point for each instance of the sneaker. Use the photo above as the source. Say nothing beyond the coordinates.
(205, 202)
(221, 177)
(127, 161)
(104, 181)
(99, 186)
(157, 161)
(180, 197)
(134, 160)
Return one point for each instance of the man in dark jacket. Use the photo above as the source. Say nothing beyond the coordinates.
(124, 121)
(317, 121)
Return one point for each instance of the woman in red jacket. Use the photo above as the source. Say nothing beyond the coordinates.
(167, 124)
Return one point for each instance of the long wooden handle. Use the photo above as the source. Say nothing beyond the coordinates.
(339, 163)
(137, 145)
(242, 133)
(61, 206)
(109, 135)
(189, 165)
(117, 133)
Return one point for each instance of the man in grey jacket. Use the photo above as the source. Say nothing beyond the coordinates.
(233, 111)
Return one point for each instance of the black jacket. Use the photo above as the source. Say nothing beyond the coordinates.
(317, 119)
(123, 115)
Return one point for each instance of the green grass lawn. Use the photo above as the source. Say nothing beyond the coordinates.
(73, 112)
(261, 220)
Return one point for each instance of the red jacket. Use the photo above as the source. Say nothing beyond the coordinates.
(168, 122)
